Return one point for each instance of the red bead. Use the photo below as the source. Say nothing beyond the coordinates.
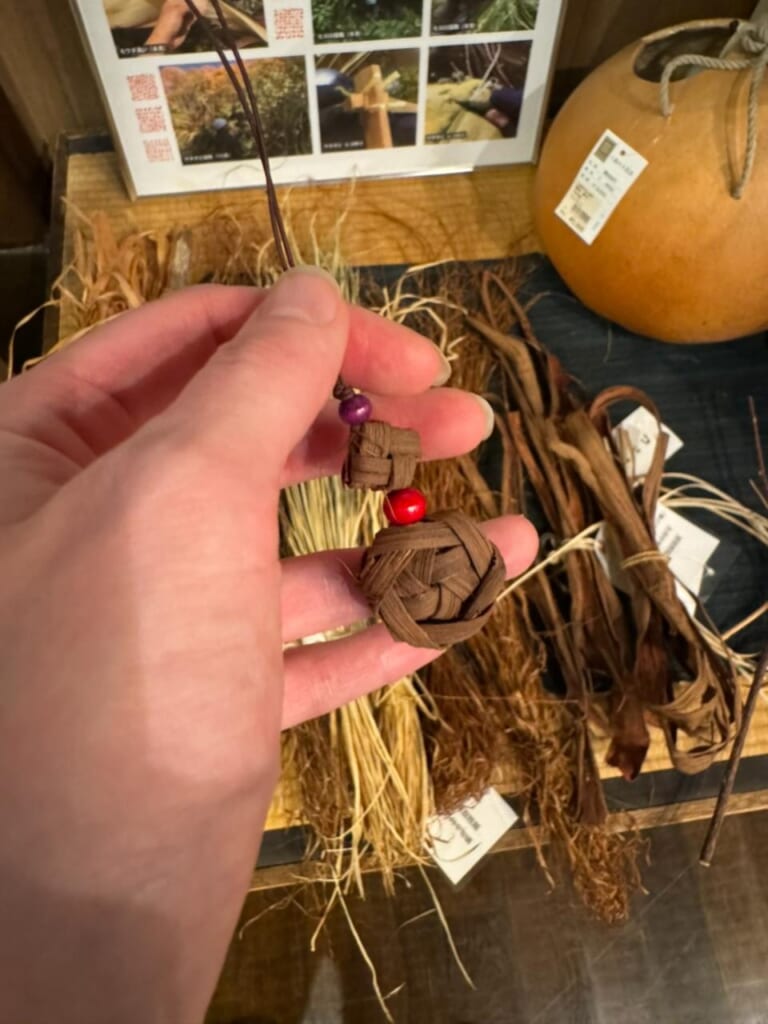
(405, 506)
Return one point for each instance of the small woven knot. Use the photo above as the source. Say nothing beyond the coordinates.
(381, 457)
(434, 583)
(754, 38)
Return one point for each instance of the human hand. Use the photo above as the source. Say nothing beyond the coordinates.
(143, 611)
(173, 23)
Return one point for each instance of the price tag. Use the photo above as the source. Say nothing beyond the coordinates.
(686, 545)
(636, 437)
(603, 180)
(458, 841)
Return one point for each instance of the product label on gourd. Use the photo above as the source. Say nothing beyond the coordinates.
(603, 180)
(460, 840)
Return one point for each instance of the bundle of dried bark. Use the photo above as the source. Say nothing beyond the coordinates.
(625, 662)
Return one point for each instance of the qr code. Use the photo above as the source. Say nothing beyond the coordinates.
(158, 150)
(605, 149)
(289, 23)
(143, 87)
(151, 119)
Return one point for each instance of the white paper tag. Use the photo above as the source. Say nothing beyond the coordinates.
(603, 180)
(636, 438)
(688, 547)
(458, 841)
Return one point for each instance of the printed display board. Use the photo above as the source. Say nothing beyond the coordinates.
(346, 88)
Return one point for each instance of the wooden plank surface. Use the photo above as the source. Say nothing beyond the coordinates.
(484, 215)
(45, 73)
(644, 819)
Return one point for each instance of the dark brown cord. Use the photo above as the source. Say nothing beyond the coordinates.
(247, 99)
(278, 225)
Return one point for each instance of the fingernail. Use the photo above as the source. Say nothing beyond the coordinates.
(304, 293)
(444, 371)
(489, 414)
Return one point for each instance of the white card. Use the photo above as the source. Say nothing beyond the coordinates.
(603, 180)
(636, 438)
(688, 547)
(458, 841)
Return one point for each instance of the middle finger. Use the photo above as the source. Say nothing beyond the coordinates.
(449, 422)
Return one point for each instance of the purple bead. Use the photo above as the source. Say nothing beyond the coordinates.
(355, 410)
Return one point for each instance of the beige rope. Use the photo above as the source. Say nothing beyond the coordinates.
(753, 38)
(644, 556)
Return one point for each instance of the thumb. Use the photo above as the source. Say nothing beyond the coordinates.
(259, 393)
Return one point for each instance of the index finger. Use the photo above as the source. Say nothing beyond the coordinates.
(144, 357)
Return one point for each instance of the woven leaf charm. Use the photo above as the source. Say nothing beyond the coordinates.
(381, 457)
(434, 583)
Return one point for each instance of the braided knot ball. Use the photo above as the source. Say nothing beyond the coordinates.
(433, 583)
(381, 457)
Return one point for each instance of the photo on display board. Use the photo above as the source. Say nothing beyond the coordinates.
(151, 27)
(483, 16)
(367, 100)
(209, 122)
(475, 92)
(339, 20)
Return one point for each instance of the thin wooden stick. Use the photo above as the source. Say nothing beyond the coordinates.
(726, 786)
(762, 476)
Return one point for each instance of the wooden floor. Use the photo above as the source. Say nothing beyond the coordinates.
(695, 951)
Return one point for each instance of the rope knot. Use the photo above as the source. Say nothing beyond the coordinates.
(752, 37)
(434, 583)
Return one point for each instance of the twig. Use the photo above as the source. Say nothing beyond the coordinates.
(762, 476)
(726, 786)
